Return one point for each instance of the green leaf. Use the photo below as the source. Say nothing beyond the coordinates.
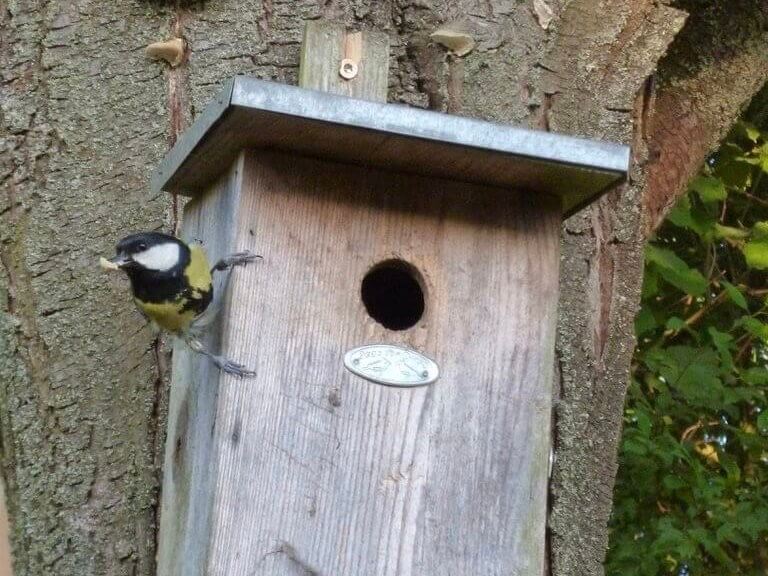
(723, 342)
(730, 232)
(731, 169)
(675, 324)
(754, 327)
(730, 533)
(644, 423)
(762, 421)
(694, 218)
(650, 284)
(635, 446)
(756, 250)
(753, 520)
(735, 295)
(645, 322)
(675, 271)
(709, 189)
(692, 372)
(668, 535)
(712, 547)
(756, 254)
(763, 157)
(760, 231)
(671, 482)
(680, 215)
(731, 467)
(750, 131)
(755, 376)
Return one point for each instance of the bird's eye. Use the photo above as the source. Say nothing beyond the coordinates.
(141, 247)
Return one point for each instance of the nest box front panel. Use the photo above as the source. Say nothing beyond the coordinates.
(314, 462)
(190, 448)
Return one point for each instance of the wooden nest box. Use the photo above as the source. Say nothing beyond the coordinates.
(379, 224)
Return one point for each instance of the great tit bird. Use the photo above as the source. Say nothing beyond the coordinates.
(172, 285)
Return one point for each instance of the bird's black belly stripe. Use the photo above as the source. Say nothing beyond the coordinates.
(150, 286)
(198, 304)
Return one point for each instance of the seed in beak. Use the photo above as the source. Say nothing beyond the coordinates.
(108, 264)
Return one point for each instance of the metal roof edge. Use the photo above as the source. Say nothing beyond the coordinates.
(383, 117)
(246, 93)
(191, 137)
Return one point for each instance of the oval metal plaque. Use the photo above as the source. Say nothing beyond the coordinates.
(391, 365)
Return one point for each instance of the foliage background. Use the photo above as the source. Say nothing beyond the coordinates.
(691, 495)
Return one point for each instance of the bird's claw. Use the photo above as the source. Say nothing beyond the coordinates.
(234, 368)
(222, 363)
(236, 259)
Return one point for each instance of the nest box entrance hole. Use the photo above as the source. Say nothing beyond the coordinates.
(393, 294)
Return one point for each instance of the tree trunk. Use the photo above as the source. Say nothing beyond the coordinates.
(85, 116)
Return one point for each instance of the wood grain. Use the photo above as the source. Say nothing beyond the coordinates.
(188, 480)
(310, 469)
(326, 44)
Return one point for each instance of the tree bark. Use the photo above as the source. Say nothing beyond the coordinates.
(85, 116)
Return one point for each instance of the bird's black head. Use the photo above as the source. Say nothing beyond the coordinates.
(149, 251)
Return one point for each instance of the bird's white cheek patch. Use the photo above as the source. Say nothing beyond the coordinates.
(160, 257)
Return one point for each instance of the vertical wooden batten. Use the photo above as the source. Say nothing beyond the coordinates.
(191, 456)
(307, 467)
(326, 46)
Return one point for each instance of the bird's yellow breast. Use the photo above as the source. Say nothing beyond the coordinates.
(169, 316)
(198, 272)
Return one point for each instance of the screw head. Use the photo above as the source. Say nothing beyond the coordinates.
(348, 69)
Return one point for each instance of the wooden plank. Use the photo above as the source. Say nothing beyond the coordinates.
(321, 471)
(189, 448)
(324, 47)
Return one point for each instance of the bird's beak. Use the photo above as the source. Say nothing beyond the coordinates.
(116, 263)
